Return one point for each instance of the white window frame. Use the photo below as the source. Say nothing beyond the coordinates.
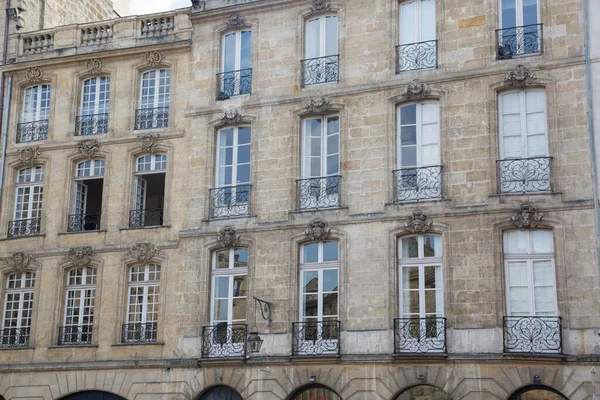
(157, 100)
(96, 106)
(419, 134)
(419, 31)
(238, 49)
(519, 13)
(33, 183)
(324, 150)
(22, 291)
(40, 106)
(322, 35)
(140, 188)
(145, 285)
(234, 160)
(155, 164)
(87, 292)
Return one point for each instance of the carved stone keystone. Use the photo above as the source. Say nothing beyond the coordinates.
(520, 77)
(80, 256)
(149, 142)
(416, 90)
(19, 261)
(418, 223)
(144, 252)
(318, 229)
(232, 116)
(28, 156)
(88, 147)
(34, 74)
(318, 104)
(526, 216)
(228, 237)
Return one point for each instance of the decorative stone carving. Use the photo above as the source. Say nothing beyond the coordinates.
(320, 6)
(149, 142)
(520, 77)
(526, 216)
(93, 66)
(88, 147)
(19, 261)
(198, 5)
(28, 156)
(34, 74)
(235, 21)
(80, 256)
(153, 58)
(228, 237)
(416, 90)
(144, 252)
(418, 223)
(317, 229)
(318, 104)
(232, 116)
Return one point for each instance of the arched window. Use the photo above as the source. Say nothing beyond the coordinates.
(87, 199)
(28, 202)
(220, 393)
(18, 307)
(93, 112)
(315, 392)
(153, 111)
(423, 392)
(536, 392)
(321, 51)
(149, 201)
(143, 304)
(236, 65)
(79, 307)
(92, 395)
(34, 119)
(418, 44)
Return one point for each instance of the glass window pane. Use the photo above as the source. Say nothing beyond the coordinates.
(239, 309)
(311, 252)
(310, 281)
(517, 273)
(243, 154)
(410, 247)
(530, 16)
(330, 304)
(313, 28)
(311, 304)
(509, 13)
(330, 280)
(543, 273)
(410, 277)
(431, 278)
(410, 302)
(516, 242)
(331, 40)
(408, 115)
(222, 259)
(432, 246)
(221, 309)
(428, 20)
(229, 53)
(244, 135)
(330, 251)
(240, 286)
(408, 135)
(240, 258)
(408, 20)
(221, 287)
(408, 156)
(541, 242)
(246, 49)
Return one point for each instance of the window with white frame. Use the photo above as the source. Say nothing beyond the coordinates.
(87, 201)
(18, 308)
(143, 303)
(149, 191)
(520, 31)
(93, 113)
(321, 50)
(34, 118)
(155, 95)
(28, 202)
(236, 67)
(418, 45)
(79, 306)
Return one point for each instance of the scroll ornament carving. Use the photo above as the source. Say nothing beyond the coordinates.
(153, 58)
(88, 147)
(228, 237)
(232, 116)
(317, 229)
(80, 256)
(320, 6)
(418, 223)
(149, 142)
(34, 74)
(235, 21)
(93, 66)
(526, 216)
(520, 77)
(28, 156)
(318, 104)
(416, 90)
(144, 252)
(19, 261)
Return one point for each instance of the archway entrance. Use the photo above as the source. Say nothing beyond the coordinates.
(220, 393)
(423, 392)
(315, 392)
(92, 395)
(538, 392)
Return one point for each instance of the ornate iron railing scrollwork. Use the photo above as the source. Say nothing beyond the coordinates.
(415, 56)
(93, 124)
(524, 175)
(24, 227)
(224, 340)
(139, 332)
(144, 218)
(84, 222)
(75, 335)
(234, 83)
(318, 193)
(32, 131)
(320, 70)
(151, 118)
(14, 337)
(519, 40)
(229, 201)
(533, 335)
(414, 184)
(316, 338)
(419, 335)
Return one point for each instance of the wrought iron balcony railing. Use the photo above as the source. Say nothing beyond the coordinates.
(524, 175)
(234, 83)
(229, 201)
(24, 227)
(139, 332)
(316, 338)
(74, 335)
(415, 184)
(145, 218)
(518, 41)
(533, 335)
(318, 193)
(151, 118)
(320, 70)
(91, 124)
(420, 335)
(414, 56)
(224, 340)
(84, 222)
(32, 131)
(14, 337)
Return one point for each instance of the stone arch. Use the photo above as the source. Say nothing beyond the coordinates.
(321, 392)
(429, 392)
(219, 392)
(532, 392)
(92, 395)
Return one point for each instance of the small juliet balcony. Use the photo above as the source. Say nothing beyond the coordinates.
(139, 332)
(24, 227)
(92, 124)
(229, 201)
(316, 338)
(524, 175)
(533, 335)
(32, 131)
(420, 336)
(14, 337)
(75, 335)
(316, 71)
(224, 340)
(519, 41)
(418, 184)
(151, 118)
(234, 83)
(146, 218)
(83, 223)
(318, 193)
(415, 56)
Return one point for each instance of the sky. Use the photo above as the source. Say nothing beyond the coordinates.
(151, 6)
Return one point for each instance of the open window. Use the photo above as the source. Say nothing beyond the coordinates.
(149, 199)
(87, 199)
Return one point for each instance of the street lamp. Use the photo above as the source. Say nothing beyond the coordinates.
(254, 340)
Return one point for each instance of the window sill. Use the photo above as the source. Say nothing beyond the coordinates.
(150, 130)
(138, 344)
(71, 346)
(222, 361)
(520, 56)
(525, 194)
(400, 203)
(229, 218)
(80, 232)
(319, 85)
(419, 356)
(535, 356)
(146, 227)
(315, 358)
(17, 348)
(317, 210)
(24, 237)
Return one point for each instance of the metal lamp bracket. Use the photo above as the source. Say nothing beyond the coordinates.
(265, 309)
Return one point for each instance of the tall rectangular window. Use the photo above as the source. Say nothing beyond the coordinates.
(79, 307)
(155, 96)
(321, 51)
(93, 113)
(28, 202)
(236, 68)
(87, 200)
(149, 195)
(520, 28)
(418, 44)
(34, 118)
(18, 307)
(143, 303)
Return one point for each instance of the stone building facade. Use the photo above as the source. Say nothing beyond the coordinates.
(405, 187)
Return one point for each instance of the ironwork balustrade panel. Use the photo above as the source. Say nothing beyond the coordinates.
(524, 175)
(234, 83)
(316, 338)
(73, 335)
(84, 222)
(414, 56)
(151, 118)
(320, 70)
(519, 40)
(316, 193)
(414, 184)
(24, 227)
(533, 335)
(32, 131)
(140, 332)
(93, 124)
(143, 218)
(224, 340)
(419, 335)
(229, 201)
(14, 337)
